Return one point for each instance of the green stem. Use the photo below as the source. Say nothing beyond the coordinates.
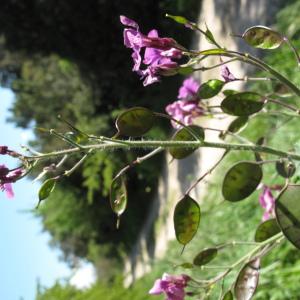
(69, 172)
(276, 238)
(262, 65)
(216, 66)
(293, 108)
(245, 57)
(167, 144)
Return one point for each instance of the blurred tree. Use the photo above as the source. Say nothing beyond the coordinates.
(68, 58)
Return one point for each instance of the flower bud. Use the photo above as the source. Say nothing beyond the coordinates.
(3, 150)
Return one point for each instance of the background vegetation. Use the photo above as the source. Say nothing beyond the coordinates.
(68, 58)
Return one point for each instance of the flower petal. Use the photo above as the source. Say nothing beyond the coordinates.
(9, 191)
(189, 89)
(157, 287)
(128, 22)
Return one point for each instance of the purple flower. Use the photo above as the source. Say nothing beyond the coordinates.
(3, 150)
(189, 89)
(226, 74)
(187, 108)
(267, 202)
(7, 178)
(159, 52)
(172, 285)
(184, 111)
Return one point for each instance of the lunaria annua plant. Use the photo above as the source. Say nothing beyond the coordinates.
(153, 58)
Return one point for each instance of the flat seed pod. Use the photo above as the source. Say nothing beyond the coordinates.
(262, 37)
(227, 296)
(238, 124)
(118, 197)
(285, 168)
(46, 189)
(247, 281)
(266, 230)
(205, 256)
(241, 180)
(209, 36)
(210, 88)
(76, 137)
(242, 104)
(287, 210)
(178, 19)
(135, 121)
(212, 52)
(185, 70)
(184, 135)
(229, 92)
(186, 219)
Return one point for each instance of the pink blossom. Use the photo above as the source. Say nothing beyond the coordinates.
(189, 89)
(7, 177)
(184, 111)
(171, 285)
(159, 52)
(267, 202)
(187, 107)
(7, 187)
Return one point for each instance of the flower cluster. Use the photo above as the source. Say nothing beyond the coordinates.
(159, 52)
(171, 285)
(187, 107)
(267, 202)
(7, 177)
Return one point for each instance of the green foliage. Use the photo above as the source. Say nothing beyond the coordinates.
(288, 19)
(58, 292)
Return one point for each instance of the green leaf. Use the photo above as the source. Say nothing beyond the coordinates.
(242, 104)
(46, 189)
(186, 219)
(228, 296)
(241, 180)
(118, 197)
(209, 36)
(287, 210)
(262, 37)
(135, 121)
(238, 124)
(247, 280)
(186, 265)
(266, 230)
(285, 168)
(205, 256)
(178, 19)
(184, 135)
(210, 88)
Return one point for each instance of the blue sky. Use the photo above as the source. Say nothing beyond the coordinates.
(24, 252)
